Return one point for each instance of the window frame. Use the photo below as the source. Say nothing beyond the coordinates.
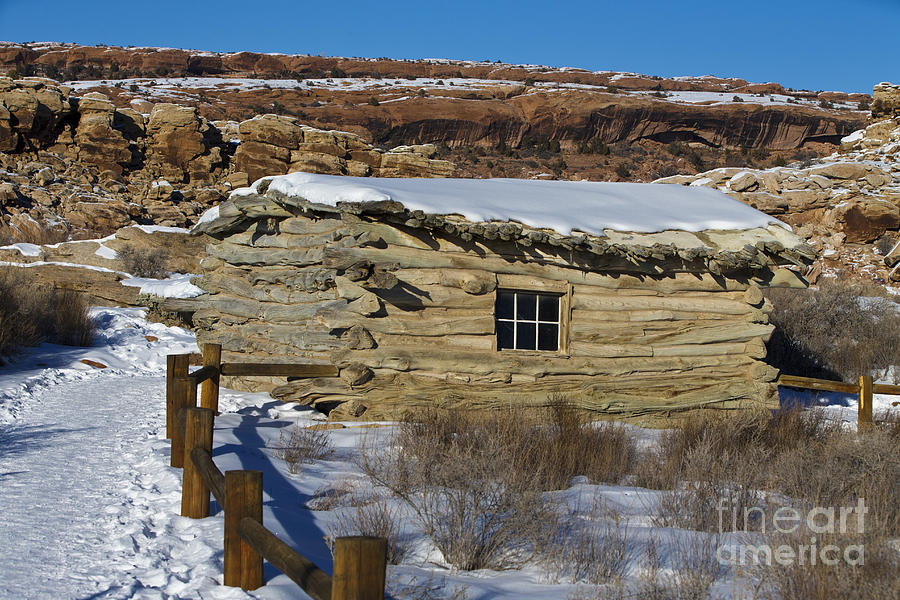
(561, 290)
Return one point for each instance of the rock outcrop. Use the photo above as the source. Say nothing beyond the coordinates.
(886, 100)
(851, 198)
(275, 145)
(97, 167)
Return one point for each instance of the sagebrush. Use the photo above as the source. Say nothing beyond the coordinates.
(31, 313)
(143, 262)
(836, 331)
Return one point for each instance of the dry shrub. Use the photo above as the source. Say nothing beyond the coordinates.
(143, 262)
(885, 244)
(375, 518)
(475, 481)
(31, 313)
(298, 445)
(695, 568)
(592, 546)
(833, 331)
(460, 477)
(875, 579)
(344, 493)
(726, 437)
(602, 452)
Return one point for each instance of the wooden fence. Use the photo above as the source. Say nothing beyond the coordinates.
(863, 390)
(359, 562)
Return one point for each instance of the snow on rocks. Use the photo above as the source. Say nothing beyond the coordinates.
(175, 286)
(855, 193)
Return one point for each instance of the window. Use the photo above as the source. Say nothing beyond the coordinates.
(527, 320)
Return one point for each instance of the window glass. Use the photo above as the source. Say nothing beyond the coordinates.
(526, 306)
(525, 336)
(505, 331)
(548, 308)
(548, 337)
(505, 303)
(527, 321)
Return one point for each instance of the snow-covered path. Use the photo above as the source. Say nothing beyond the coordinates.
(67, 467)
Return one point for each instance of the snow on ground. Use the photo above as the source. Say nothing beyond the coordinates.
(175, 286)
(90, 506)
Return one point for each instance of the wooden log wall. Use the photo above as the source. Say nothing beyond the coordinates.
(407, 314)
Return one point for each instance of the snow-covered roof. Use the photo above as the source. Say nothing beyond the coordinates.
(596, 217)
(567, 207)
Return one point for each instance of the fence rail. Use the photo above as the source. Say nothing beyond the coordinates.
(359, 562)
(863, 390)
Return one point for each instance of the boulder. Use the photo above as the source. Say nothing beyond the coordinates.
(272, 129)
(102, 215)
(744, 181)
(864, 221)
(840, 170)
(885, 100)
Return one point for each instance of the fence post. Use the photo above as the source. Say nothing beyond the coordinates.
(359, 568)
(209, 389)
(243, 498)
(198, 433)
(864, 408)
(185, 397)
(176, 366)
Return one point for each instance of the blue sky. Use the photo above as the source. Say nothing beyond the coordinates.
(820, 45)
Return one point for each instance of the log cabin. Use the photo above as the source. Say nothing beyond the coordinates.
(626, 299)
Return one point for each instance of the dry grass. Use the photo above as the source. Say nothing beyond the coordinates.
(376, 518)
(32, 313)
(298, 445)
(592, 546)
(477, 486)
(833, 332)
(143, 262)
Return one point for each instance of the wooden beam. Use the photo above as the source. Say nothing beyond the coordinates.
(209, 390)
(311, 579)
(211, 474)
(279, 369)
(198, 434)
(243, 498)
(200, 375)
(359, 568)
(176, 366)
(185, 397)
(864, 409)
(883, 388)
(811, 383)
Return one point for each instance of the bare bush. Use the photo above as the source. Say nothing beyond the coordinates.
(594, 546)
(832, 331)
(875, 578)
(885, 244)
(602, 452)
(298, 445)
(31, 313)
(143, 262)
(378, 518)
(460, 478)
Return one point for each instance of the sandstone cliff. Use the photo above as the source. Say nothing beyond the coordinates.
(456, 102)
